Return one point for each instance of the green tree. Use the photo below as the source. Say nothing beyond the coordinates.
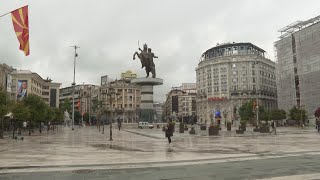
(50, 115)
(58, 119)
(86, 117)
(77, 117)
(298, 114)
(277, 114)
(66, 105)
(5, 105)
(246, 111)
(21, 112)
(37, 107)
(317, 113)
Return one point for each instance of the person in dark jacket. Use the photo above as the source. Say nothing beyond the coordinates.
(170, 129)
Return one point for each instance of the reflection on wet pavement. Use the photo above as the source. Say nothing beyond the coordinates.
(131, 145)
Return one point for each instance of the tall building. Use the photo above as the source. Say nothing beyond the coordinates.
(83, 96)
(25, 82)
(229, 75)
(298, 65)
(125, 103)
(6, 77)
(181, 104)
(158, 108)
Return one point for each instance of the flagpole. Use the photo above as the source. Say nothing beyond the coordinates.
(11, 11)
(5, 14)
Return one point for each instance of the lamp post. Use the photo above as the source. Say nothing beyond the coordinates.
(74, 83)
(102, 117)
(110, 93)
(301, 119)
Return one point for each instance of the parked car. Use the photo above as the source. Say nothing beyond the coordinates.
(145, 125)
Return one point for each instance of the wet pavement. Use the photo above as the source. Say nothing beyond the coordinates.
(87, 149)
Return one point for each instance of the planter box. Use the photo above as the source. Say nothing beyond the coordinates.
(203, 127)
(256, 130)
(213, 131)
(265, 129)
(243, 127)
(229, 126)
(181, 128)
(239, 131)
(192, 131)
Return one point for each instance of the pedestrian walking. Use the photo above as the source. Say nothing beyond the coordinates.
(169, 130)
(273, 126)
(318, 124)
(119, 123)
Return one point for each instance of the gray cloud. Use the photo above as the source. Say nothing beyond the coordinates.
(107, 33)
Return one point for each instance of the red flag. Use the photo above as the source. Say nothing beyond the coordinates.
(21, 27)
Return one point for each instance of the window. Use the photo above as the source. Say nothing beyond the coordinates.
(234, 65)
(253, 80)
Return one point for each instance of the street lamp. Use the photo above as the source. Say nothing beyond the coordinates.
(102, 117)
(110, 93)
(301, 108)
(74, 83)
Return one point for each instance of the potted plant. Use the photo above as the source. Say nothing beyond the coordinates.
(213, 130)
(265, 128)
(243, 125)
(186, 127)
(192, 131)
(239, 131)
(229, 126)
(181, 128)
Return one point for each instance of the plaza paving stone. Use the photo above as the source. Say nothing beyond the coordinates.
(83, 148)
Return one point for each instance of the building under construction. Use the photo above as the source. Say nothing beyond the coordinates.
(298, 66)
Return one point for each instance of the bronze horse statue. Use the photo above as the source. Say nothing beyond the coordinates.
(146, 58)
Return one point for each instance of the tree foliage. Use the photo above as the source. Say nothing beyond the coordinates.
(21, 112)
(278, 114)
(317, 112)
(275, 114)
(66, 105)
(246, 111)
(86, 117)
(58, 118)
(5, 103)
(77, 117)
(298, 114)
(37, 107)
(50, 114)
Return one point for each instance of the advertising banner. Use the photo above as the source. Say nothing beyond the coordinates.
(9, 81)
(22, 89)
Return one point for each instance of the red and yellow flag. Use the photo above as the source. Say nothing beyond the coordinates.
(21, 27)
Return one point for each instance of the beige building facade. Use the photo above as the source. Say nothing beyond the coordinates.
(181, 104)
(124, 102)
(6, 77)
(231, 74)
(25, 82)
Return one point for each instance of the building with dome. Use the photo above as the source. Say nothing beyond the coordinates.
(230, 74)
(128, 75)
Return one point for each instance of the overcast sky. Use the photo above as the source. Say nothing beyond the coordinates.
(178, 31)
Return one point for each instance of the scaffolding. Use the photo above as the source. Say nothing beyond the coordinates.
(297, 26)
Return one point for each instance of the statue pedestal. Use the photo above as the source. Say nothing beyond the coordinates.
(146, 106)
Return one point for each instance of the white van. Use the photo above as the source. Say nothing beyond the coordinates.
(145, 125)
